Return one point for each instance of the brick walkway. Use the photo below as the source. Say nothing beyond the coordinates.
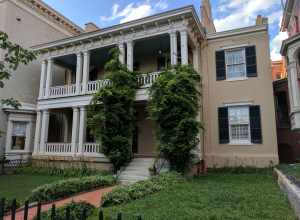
(92, 197)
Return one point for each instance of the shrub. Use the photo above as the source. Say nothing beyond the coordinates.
(174, 107)
(124, 194)
(76, 210)
(8, 205)
(53, 171)
(111, 113)
(63, 188)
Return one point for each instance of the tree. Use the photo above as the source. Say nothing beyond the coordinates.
(111, 113)
(14, 55)
(174, 106)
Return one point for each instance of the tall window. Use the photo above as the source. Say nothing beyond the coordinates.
(19, 135)
(235, 63)
(239, 124)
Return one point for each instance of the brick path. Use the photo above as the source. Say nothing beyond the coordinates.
(92, 197)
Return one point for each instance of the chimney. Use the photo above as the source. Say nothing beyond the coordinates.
(89, 27)
(261, 20)
(206, 16)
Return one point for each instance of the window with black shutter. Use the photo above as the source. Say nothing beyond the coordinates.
(255, 124)
(220, 65)
(223, 125)
(251, 61)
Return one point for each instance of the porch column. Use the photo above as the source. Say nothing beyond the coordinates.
(173, 47)
(38, 126)
(86, 70)
(78, 72)
(8, 135)
(130, 45)
(49, 77)
(294, 86)
(42, 79)
(75, 129)
(184, 47)
(82, 130)
(196, 64)
(44, 130)
(122, 53)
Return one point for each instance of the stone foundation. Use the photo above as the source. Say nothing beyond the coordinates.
(259, 161)
(70, 162)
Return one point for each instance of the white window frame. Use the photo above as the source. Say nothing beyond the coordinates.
(245, 64)
(239, 142)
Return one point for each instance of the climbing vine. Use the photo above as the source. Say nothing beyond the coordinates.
(111, 112)
(174, 106)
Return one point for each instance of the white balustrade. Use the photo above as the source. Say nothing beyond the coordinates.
(58, 148)
(62, 91)
(92, 150)
(146, 80)
(94, 86)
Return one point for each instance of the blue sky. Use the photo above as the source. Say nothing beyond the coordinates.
(228, 14)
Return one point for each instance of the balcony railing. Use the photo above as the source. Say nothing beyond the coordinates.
(144, 81)
(61, 91)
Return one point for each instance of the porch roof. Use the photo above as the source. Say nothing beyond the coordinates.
(128, 27)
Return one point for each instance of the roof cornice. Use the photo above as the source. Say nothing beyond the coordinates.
(56, 17)
(188, 11)
(287, 42)
(239, 31)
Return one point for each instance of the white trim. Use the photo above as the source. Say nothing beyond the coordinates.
(229, 47)
(232, 104)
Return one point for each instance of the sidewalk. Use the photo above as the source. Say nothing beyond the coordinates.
(92, 197)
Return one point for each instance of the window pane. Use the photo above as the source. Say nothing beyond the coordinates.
(19, 129)
(239, 115)
(236, 71)
(236, 64)
(18, 135)
(240, 132)
(18, 143)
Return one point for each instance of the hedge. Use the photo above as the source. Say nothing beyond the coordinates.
(76, 210)
(124, 194)
(64, 188)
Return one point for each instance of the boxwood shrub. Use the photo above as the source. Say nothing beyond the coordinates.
(68, 187)
(76, 210)
(124, 194)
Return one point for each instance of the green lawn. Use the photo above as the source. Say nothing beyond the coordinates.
(19, 186)
(215, 196)
(290, 169)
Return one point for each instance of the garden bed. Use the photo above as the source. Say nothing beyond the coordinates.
(292, 172)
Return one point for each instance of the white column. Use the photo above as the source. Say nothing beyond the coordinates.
(75, 129)
(78, 72)
(130, 45)
(28, 141)
(82, 129)
(49, 77)
(86, 70)
(42, 80)
(8, 135)
(173, 47)
(44, 130)
(38, 126)
(294, 86)
(184, 47)
(196, 63)
(122, 53)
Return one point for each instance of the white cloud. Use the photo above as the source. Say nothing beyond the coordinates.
(134, 11)
(242, 13)
(276, 45)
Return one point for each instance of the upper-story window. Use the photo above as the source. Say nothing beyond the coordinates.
(236, 64)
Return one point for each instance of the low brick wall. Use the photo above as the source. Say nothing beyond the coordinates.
(292, 191)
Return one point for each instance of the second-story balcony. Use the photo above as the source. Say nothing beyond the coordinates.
(144, 81)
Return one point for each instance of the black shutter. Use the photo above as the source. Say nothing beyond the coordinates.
(251, 61)
(223, 125)
(255, 124)
(220, 65)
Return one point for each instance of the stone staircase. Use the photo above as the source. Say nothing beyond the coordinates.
(137, 170)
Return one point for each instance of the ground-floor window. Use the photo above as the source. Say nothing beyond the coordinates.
(240, 124)
(18, 135)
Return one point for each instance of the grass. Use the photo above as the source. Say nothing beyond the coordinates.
(212, 197)
(290, 169)
(19, 186)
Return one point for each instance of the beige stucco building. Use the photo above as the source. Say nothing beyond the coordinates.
(237, 103)
(28, 23)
